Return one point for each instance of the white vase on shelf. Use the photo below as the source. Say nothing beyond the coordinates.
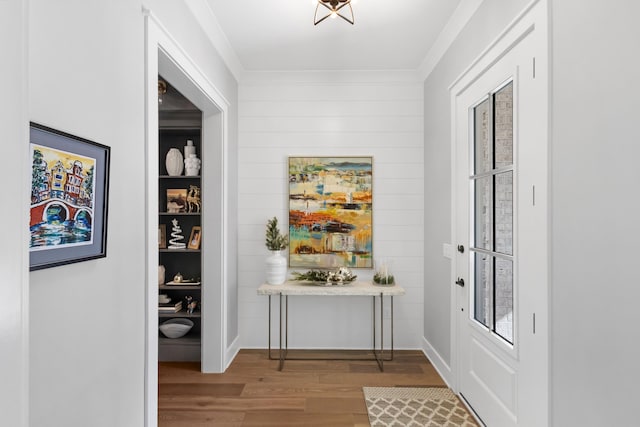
(276, 268)
(189, 149)
(174, 162)
(192, 165)
(161, 273)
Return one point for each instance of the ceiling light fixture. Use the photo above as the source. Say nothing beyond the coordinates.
(334, 7)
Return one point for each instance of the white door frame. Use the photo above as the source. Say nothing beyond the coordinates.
(163, 55)
(14, 268)
(533, 18)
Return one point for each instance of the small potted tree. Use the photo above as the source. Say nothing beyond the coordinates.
(276, 263)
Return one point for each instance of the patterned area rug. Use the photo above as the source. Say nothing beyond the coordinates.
(415, 407)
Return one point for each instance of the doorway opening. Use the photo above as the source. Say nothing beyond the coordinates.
(163, 57)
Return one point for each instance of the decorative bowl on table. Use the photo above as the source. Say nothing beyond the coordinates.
(340, 277)
(176, 328)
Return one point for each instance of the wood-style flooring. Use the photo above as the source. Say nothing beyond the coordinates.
(252, 392)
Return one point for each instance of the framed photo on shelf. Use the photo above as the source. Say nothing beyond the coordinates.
(176, 200)
(162, 236)
(69, 198)
(194, 239)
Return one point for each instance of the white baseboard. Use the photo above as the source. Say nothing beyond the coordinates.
(231, 353)
(438, 362)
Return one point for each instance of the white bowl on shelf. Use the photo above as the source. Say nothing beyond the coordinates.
(176, 328)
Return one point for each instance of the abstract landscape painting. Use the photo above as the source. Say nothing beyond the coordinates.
(330, 212)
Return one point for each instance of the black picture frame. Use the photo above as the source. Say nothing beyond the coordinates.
(69, 198)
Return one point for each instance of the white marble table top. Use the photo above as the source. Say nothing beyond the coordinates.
(356, 288)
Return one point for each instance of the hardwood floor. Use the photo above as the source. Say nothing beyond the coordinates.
(252, 392)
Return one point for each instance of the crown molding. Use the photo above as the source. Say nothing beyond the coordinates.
(210, 25)
(452, 28)
(334, 77)
(204, 15)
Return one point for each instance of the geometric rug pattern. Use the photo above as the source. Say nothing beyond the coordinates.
(415, 407)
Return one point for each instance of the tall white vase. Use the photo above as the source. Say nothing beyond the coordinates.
(189, 149)
(174, 162)
(276, 268)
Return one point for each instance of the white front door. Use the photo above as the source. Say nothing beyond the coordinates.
(500, 230)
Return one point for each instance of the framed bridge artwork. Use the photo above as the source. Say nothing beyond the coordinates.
(330, 212)
(69, 195)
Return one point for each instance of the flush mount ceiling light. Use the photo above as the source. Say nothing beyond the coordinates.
(334, 7)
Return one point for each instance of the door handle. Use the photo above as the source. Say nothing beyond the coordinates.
(460, 282)
(461, 249)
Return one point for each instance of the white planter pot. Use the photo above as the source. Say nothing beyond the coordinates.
(276, 268)
(174, 162)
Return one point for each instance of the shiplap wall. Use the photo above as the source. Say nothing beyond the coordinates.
(332, 114)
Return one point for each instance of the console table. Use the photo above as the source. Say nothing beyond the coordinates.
(295, 288)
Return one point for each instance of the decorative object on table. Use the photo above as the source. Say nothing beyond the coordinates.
(276, 263)
(69, 198)
(176, 200)
(194, 239)
(162, 236)
(330, 212)
(193, 199)
(382, 275)
(164, 299)
(176, 236)
(174, 162)
(192, 165)
(178, 278)
(176, 328)
(340, 277)
(161, 274)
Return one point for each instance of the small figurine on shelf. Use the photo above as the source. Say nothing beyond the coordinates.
(176, 236)
(191, 304)
(193, 199)
(191, 161)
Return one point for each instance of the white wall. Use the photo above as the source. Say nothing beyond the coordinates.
(14, 261)
(332, 114)
(488, 22)
(87, 320)
(594, 150)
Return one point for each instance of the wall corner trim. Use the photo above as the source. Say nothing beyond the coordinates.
(438, 362)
